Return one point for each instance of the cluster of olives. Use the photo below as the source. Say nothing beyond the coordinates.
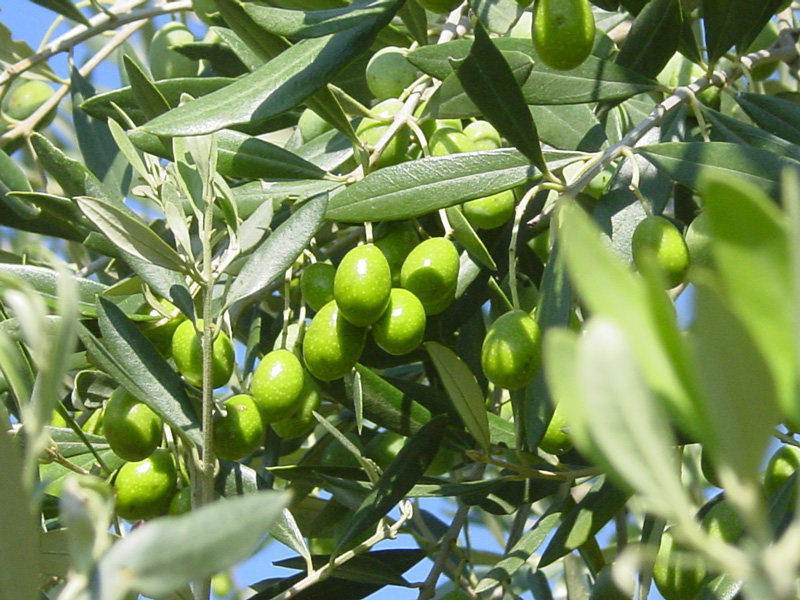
(390, 287)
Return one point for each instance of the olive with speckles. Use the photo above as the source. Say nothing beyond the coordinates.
(277, 383)
(187, 351)
(332, 345)
(402, 325)
(362, 284)
(430, 272)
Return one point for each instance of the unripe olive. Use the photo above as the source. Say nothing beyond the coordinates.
(240, 430)
(276, 385)
(144, 489)
(25, 97)
(430, 272)
(181, 502)
(302, 417)
(311, 125)
(491, 211)
(658, 236)
(723, 522)
(370, 131)
(396, 240)
(389, 73)
(386, 445)
(511, 352)
(556, 440)
(362, 285)
(448, 140)
(160, 332)
(781, 465)
(187, 352)
(698, 242)
(402, 325)
(316, 284)
(483, 135)
(131, 427)
(678, 574)
(563, 32)
(332, 345)
(167, 63)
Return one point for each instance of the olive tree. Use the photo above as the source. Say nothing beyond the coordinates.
(323, 273)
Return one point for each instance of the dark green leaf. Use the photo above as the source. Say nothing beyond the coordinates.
(464, 234)
(220, 57)
(777, 116)
(653, 38)
(435, 59)
(415, 20)
(490, 83)
(64, 8)
(686, 162)
(45, 282)
(584, 520)
(150, 100)
(13, 179)
(165, 554)
(722, 587)
(419, 187)
(399, 477)
(519, 555)
(129, 357)
(314, 23)
(278, 86)
(279, 251)
(762, 13)
(569, 127)
(731, 23)
(264, 45)
(362, 569)
(250, 196)
(729, 129)
(498, 16)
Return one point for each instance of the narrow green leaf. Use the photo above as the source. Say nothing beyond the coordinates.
(519, 555)
(435, 60)
(129, 357)
(361, 568)
(653, 38)
(19, 533)
(463, 390)
(730, 129)
(731, 23)
(399, 477)
(145, 92)
(64, 8)
(279, 251)
(249, 58)
(126, 148)
(415, 20)
(12, 51)
(685, 162)
(314, 23)
(167, 553)
(776, 115)
(585, 519)
(498, 16)
(131, 235)
(490, 83)
(422, 186)
(13, 179)
(45, 282)
(278, 86)
(569, 126)
(465, 235)
(262, 44)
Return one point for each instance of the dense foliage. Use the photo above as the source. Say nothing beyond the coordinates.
(322, 273)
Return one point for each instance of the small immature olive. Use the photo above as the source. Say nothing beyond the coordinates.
(430, 272)
(429, 125)
(302, 417)
(336, 455)
(160, 332)
(165, 61)
(362, 284)
(511, 352)
(370, 131)
(389, 73)
(131, 428)
(563, 32)
(781, 465)
(723, 522)
(440, 6)
(483, 135)
(556, 440)
(659, 237)
(24, 98)
(187, 352)
(332, 345)
(311, 125)
(402, 325)
(316, 284)
(239, 431)
(276, 386)
(386, 445)
(181, 502)
(678, 573)
(698, 241)
(490, 212)
(144, 489)
(448, 140)
(396, 240)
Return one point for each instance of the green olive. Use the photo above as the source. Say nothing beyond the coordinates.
(490, 212)
(362, 285)
(332, 345)
(396, 239)
(556, 439)
(511, 352)
(25, 98)
(181, 502)
(160, 332)
(781, 465)
(311, 125)
(276, 385)
(483, 135)
(239, 431)
(430, 272)
(187, 352)
(384, 447)
(144, 489)
(131, 428)
(563, 32)
(316, 284)
(448, 140)
(698, 242)
(723, 522)
(370, 131)
(658, 237)
(302, 417)
(165, 61)
(389, 73)
(678, 573)
(402, 325)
